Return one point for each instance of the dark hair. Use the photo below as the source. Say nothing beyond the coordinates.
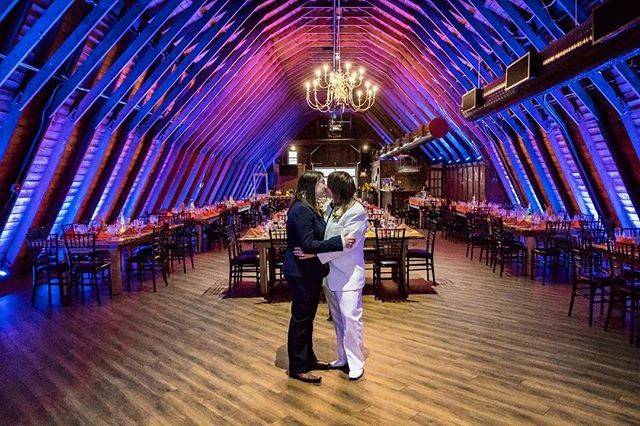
(306, 190)
(343, 189)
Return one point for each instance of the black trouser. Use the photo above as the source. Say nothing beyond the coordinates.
(305, 293)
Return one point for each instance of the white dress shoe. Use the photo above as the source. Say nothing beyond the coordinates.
(355, 374)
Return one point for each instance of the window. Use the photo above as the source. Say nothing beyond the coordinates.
(293, 157)
(327, 170)
(435, 181)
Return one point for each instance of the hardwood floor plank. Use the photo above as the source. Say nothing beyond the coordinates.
(480, 350)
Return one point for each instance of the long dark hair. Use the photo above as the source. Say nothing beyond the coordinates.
(343, 189)
(306, 190)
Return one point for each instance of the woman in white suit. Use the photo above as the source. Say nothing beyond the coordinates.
(343, 286)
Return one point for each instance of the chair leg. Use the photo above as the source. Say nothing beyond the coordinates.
(609, 309)
(128, 273)
(34, 284)
(109, 283)
(164, 273)
(153, 275)
(592, 296)
(94, 282)
(633, 320)
(573, 297)
(533, 266)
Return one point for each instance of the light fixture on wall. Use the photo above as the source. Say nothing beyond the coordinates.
(4, 269)
(345, 88)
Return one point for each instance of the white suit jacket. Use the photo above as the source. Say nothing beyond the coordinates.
(346, 271)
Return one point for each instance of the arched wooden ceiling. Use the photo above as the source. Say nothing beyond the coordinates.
(110, 107)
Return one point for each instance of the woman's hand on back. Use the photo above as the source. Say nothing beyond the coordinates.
(348, 241)
(302, 255)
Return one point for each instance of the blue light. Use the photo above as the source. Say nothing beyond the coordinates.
(480, 157)
(467, 159)
(4, 273)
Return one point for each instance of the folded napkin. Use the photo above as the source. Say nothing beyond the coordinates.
(130, 232)
(626, 240)
(147, 228)
(255, 232)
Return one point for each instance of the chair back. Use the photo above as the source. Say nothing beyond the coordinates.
(584, 257)
(43, 246)
(390, 243)
(496, 228)
(232, 241)
(430, 237)
(278, 242)
(77, 241)
(179, 218)
(556, 234)
(628, 232)
(623, 257)
(159, 240)
(80, 247)
(478, 223)
(557, 228)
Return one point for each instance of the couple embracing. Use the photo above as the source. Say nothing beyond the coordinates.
(325, 245)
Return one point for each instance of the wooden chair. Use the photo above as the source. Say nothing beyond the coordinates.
(85, 262)
(421, 259)
(45, 259)
(625, 287)
(240, 262)
(589, 280)
(390, 246)
(506, 249)
(214, 234)
(277, 250)
(550, 246)
(182, 245)
(477, 234)
(149, 259)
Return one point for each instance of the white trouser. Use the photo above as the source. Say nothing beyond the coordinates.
(346, 312)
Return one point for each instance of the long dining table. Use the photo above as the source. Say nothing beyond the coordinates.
(119, 245)
(528, 231)
(259, 238)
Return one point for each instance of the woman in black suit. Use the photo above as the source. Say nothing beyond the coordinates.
(305, 229)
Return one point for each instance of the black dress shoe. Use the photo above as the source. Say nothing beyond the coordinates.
(343, 368)
(319, 365)
(306, 377)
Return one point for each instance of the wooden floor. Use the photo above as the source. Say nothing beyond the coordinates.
(482, 350)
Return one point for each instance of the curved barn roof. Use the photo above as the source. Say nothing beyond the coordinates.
(110, 107)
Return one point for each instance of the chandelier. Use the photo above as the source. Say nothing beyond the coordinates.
(343, 89)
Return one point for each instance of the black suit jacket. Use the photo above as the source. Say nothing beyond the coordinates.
(305, 229)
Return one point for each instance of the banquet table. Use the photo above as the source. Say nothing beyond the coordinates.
(527, 231)
(260, 239)
(117, 246)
